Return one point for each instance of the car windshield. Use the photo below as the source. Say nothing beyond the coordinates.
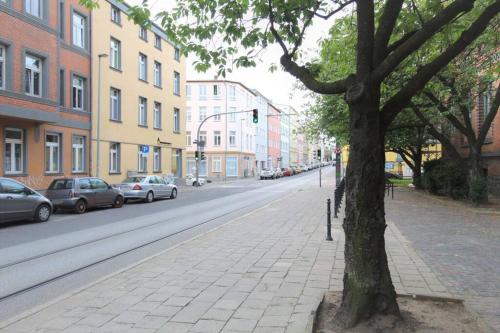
(61, 184)
(134, 179)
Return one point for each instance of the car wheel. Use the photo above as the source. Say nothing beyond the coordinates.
(42, 213)
(173, 195)
(81, 206)
(195, 184)
(149, 197)
(118, 202)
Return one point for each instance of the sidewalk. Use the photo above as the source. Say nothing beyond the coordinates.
(264, 272)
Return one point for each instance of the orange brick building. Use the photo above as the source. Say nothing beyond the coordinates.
(44, 90)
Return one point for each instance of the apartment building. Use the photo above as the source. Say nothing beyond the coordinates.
(274, 137)
(45, 97)
(229, 140)
(139, 97)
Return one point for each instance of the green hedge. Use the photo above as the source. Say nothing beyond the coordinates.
(444, 177)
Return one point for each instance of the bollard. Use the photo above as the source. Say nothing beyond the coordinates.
(328, 220)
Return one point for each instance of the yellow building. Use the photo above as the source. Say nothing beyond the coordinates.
(138, 89)
(395, 164)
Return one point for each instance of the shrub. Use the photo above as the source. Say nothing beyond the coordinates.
(477, 190)
(444, 177)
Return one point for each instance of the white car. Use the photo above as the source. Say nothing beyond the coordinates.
(191, 181)
(267, 174)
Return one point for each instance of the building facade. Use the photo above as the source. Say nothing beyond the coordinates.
(139, 97)
(228, 136)
(45, 100)
(274, 137)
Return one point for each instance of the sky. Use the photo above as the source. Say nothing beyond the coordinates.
(277, 86)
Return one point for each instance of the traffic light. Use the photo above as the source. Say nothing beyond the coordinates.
(255, 114)
(202, 155)
(319, 153)
(196, 154)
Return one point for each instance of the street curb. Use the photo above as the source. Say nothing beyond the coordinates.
(479, 211)
(27, 313)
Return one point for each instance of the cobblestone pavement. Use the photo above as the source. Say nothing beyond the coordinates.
(462, 247)
(264, 272)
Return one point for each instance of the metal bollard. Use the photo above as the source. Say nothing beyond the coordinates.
(328, 220)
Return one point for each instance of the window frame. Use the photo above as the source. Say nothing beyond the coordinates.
(158, 42)
(177, 54)
(13, 142)
(177, 83)
(143, 111)
(177, 120)
(217, 115)
(217, 138)
(200, 113)
(232, 136)
(75, 96)
(118, 65)
(118, 99)
(83, 29)
(33, 71)
(3, 67)
(156, 159)
(142, 158)
(143, 67)
(27, 9)
(143, 33)
(157, 116)
(189, 139)
(216, 160)
(157, 74)
(114, 150)
(79, 146)
(117, 10)
(51, 146)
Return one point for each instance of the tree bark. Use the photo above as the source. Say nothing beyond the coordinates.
(368, 288)
(478, 189)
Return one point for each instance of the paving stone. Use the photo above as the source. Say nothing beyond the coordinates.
(244, 325)
(208, 326)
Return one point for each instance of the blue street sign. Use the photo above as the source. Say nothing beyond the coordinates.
(145, 149)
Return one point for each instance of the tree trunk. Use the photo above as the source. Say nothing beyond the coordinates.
(368, 287)
(417, 170)
(478, 182)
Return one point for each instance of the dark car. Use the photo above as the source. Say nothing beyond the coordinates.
(390, 175)
(79, 194)
(19, 202)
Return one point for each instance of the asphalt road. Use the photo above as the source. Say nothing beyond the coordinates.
(40, 262)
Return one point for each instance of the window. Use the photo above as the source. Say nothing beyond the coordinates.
(177, 120)
(232, 166)
(143, 67)
(232, 138)
(202, 89)
(79, 29)
(143, 160)
(2, 66)
(11, 187)
(97, 184)
(191, 166)
(115, 54)
(203, 113)
(216, 164)
(188, 138)
(143, 116)
(114, 158)
(188, 91)
(216, 91)
(232, 93)
(177, 54)
(115, 15)
(52, 153)
(188, 114)
(115, 104)
(486, 95)
(203, 138)
(78, 153)
(143, 33)
(33, 76)
(177, 83)
(157, 74)
(157, 116)
(77, 91)
(217, 138)
(216, 113)
(232, 114)
(14, 151)
(158, 42)
(62, 87)
(156, 159)
(34, 7)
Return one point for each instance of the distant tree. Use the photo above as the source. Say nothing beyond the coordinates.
(223, 33)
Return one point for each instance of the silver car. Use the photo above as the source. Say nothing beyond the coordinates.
(19, 202)
(147, 188)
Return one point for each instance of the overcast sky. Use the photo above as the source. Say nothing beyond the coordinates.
(277, 86)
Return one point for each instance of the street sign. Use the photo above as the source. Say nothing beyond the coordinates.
(144, 149)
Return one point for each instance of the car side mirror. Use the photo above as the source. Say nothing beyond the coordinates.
(27, 191)
(110, 187)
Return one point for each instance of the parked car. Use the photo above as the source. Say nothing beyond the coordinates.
(390, 175)
(146, 188)
(287, 172)
(267, 174)
(191, 180)
(79, 194)
(19, 202)
(278, 173)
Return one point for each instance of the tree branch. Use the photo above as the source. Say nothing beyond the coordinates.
(274, 31)
(420, 37)
(307, 78)
(444, 110)
(400, 100)
(489, 119)
(333, 12)
(387, 22)
(400, 42)
(364, 48)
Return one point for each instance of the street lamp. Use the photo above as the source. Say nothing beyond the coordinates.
(98, 157)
